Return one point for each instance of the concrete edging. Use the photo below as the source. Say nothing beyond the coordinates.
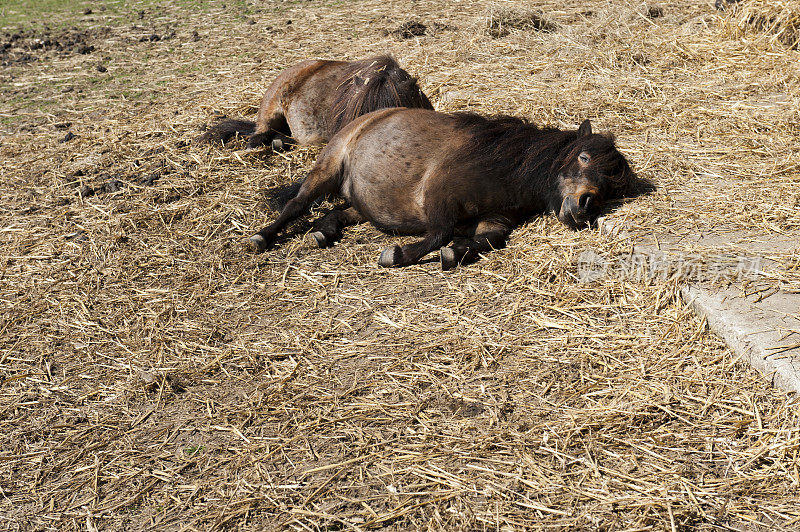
(759, 336)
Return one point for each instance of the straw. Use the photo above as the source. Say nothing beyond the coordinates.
(156, 376)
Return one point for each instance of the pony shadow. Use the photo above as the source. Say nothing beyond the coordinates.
(638, 187)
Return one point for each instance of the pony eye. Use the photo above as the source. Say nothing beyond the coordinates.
(584, 157)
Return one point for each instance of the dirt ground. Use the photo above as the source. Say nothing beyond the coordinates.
(154, 375)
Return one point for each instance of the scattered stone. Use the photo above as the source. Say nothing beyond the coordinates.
(16, 47)
(149, 379)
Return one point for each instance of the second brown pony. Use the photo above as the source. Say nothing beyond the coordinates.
(309, 102)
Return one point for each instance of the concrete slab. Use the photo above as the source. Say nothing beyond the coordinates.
(764, 327)
(766, 334)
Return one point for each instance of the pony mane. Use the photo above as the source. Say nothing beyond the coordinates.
(512, 145)
(524, 152)
(372, 84)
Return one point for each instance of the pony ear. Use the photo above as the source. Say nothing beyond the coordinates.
(585, 129)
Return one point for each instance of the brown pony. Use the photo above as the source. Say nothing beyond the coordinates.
(413, 171)
(309, 102)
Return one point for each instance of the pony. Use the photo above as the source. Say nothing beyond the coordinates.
(460, 178)
(309, 102)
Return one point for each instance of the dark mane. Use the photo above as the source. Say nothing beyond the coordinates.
(372, 84)
(504, 145)
(514, 147)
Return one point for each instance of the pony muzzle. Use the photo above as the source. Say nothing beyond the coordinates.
(578, 210)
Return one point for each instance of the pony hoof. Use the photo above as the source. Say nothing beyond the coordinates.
(257, 243)
(318, 239)
(390, 256)
(277, 145)
(448, 258)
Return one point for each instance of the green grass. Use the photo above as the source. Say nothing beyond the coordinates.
(18, 14)
(125, 80)
(193, 450)
(55, 13)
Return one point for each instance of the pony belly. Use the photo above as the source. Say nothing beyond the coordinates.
(385, 209)
(402, 228)
(389, 219)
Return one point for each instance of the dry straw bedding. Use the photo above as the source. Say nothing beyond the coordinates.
(157, 377)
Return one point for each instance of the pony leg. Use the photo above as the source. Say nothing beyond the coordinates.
(441, 224)
(412, 253)
(486, 235)
(274, 131)
(320, 181)
(271, 120)
(329, 228)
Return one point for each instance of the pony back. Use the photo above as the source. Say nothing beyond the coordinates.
(372, 84)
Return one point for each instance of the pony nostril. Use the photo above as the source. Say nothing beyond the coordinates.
(585, 200)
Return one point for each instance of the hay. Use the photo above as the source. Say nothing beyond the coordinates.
(157, 377)
(500, 22)
(778, 22)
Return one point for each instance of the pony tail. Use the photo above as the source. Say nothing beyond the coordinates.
(223, 131)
